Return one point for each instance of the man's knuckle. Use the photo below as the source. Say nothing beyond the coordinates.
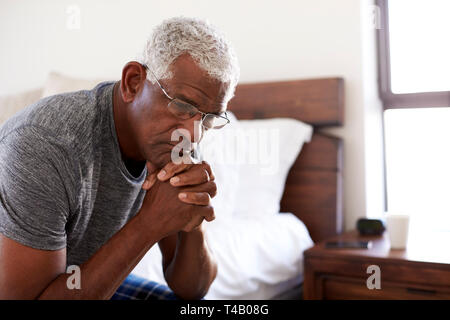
(206, 166)
(211, 188)
(205, 163)
(205, 175)
(194, 196)
(169, 166)
(207, 199)
(209, 210)
(203, 197)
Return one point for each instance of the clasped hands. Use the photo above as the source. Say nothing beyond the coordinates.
(192, 184)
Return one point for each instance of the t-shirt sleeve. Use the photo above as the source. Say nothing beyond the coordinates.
(36, 188)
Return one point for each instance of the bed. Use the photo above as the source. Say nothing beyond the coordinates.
(261, 255)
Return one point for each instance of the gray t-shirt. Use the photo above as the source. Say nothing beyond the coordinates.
(63, 182)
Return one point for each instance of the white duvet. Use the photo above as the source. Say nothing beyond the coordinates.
(257, 259)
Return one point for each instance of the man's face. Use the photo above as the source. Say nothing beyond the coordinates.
(153, 124)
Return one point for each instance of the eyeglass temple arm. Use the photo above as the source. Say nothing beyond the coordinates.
(159, 84)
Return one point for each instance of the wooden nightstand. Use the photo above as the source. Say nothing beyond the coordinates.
(422, 271)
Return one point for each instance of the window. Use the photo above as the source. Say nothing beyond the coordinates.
(414, 74)
(419, 45)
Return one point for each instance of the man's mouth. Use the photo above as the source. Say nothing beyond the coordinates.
(181, 151)
(191, 152)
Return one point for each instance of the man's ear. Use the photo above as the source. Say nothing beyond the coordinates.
(133, 78)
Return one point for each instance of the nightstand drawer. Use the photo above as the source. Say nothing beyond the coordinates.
(343, 288)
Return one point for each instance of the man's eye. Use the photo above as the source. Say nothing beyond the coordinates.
(183, 109)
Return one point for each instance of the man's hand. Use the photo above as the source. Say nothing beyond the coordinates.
(199, 177)
(189, 265)
(182, 203)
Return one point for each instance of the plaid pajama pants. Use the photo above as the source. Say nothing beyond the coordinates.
(137, 288)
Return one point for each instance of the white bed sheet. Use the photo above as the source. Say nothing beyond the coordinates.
(257, 258)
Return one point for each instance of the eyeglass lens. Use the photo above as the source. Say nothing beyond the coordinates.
(185, 110)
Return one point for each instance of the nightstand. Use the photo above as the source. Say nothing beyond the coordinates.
(422, 271)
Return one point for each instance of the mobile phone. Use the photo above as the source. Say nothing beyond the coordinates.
(357, 244)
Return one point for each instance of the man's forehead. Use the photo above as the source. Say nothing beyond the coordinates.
(188, 77)
(206, 98)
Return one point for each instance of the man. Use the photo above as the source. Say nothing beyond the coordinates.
(87, 178)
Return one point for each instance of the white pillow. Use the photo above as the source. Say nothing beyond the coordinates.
(13, 103)
(251, 160)
(275, 145)
(57, 83)
(213, 148)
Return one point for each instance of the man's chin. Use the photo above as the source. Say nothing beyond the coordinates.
(161, 154)
(161, 159)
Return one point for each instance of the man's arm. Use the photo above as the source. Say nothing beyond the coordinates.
(188, 264)
(160, 216)
(34, 211)
(28, 273)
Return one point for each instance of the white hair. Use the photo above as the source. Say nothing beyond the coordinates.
(201, 40)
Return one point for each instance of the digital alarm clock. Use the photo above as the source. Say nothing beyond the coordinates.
(370, 226)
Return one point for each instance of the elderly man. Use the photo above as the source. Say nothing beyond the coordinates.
(87, 179)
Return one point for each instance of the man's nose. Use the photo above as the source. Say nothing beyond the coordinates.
(195, 128)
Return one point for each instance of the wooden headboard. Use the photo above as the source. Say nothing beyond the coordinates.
(313, 190)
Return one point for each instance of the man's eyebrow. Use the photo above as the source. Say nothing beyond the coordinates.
(186, 99)
(181, 96)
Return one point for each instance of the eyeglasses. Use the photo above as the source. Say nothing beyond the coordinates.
(185, 110)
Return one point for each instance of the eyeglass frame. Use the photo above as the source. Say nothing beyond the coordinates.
(204, 114)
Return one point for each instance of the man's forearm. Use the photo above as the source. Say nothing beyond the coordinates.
(103, 273)
(193, 267)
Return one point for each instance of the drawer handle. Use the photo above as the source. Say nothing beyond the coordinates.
(421, 291)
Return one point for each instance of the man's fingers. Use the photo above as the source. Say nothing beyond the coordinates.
(211, 217)
(151, 176)
(197, 198)
(209, 213)
(171, 169)
(151, 168)
(196, 175)
(201, 199)
(188, 175)
(209, 187)
(208, 168)
(194, 223)
(149, 181)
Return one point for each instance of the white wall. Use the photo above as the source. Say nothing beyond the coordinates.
(274, 40)
(373, 115)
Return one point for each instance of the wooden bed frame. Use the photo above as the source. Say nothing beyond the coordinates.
(313, 190)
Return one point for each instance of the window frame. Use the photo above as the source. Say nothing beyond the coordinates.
(399, 100)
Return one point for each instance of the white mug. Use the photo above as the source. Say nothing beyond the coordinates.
(397, 226)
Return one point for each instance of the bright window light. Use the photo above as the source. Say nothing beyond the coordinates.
(418, 165)
(419, 45)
